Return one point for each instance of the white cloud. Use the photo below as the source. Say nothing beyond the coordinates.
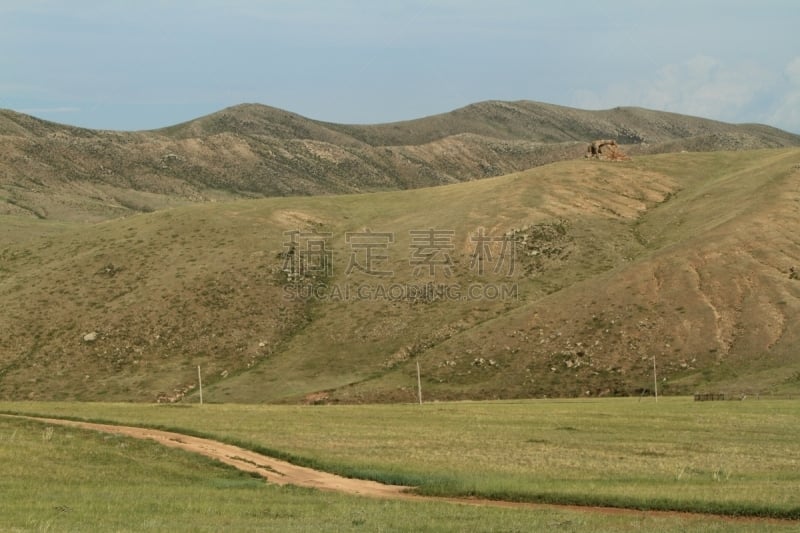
(786, 112)
(707, 87)
(793, 71)
(702, 86)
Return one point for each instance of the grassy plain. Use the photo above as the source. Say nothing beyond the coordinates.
(734, 458)
(63, 479)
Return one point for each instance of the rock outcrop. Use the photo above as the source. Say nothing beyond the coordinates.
(606, 149)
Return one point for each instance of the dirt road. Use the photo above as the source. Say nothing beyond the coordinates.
(274, 470)
(284, 473)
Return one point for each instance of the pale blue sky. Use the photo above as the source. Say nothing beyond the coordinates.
(150, 63)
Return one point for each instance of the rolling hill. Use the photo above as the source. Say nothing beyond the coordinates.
(561, 280)
(59, 172)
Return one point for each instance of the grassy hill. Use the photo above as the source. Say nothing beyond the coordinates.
(58, 172)
(587, 270)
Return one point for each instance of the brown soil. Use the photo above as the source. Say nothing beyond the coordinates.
(284, 473)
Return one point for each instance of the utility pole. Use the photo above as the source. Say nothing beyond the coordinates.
(655, 378)
(419, 384)
(200, 384)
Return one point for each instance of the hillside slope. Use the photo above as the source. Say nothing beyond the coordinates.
(57, 172)
(562, 280)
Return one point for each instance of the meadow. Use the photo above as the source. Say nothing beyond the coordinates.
(729, 458)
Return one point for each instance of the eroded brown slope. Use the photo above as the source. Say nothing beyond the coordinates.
(684, 256)
(716, 302)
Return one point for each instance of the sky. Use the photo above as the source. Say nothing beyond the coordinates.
(143, 64)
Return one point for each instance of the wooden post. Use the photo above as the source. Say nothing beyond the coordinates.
(200, 384)
(419, 384)
(655, 378)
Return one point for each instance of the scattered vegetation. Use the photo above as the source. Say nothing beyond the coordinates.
(127, 309)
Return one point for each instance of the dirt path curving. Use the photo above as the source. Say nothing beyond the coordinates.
(285, 473)
(273, 470)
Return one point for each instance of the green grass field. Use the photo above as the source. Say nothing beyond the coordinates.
(734, 458)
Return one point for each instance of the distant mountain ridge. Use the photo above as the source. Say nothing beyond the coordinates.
(521, 120)
(57, 171)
